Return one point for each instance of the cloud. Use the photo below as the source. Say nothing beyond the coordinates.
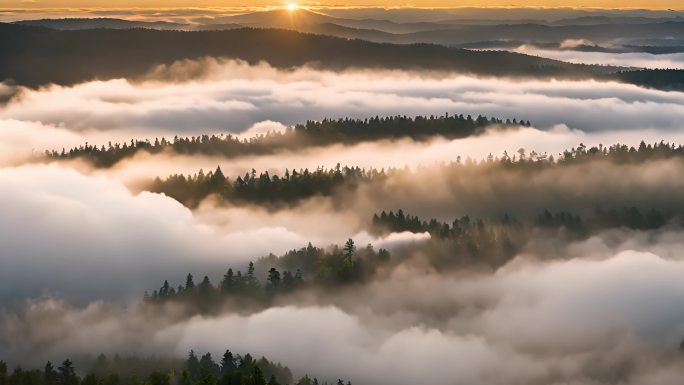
(263, 128)
(88, 237)
(627, 59)
(22, 140)
(574, 43)
(83, 237)
(384, 154)
(214, 95)
(593, 320)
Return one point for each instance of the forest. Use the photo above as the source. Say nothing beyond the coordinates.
(35, 56)
(309, 193)
(306, 268)
(296, 185)
(232, 369)
(466, 243)
(312, 133)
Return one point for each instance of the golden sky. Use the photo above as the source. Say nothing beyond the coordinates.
(647, 4)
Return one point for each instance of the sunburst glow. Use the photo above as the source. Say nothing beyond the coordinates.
(292, 7)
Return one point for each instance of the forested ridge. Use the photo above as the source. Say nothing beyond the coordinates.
(463, 243)
(298, 269)
(35, 56)
(295, 185)
(312, 133)
(232, 369)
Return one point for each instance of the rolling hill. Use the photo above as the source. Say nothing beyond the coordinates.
(35, 56)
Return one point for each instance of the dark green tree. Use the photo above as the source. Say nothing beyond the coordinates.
(189, 283)
(67, 374)
(273, 279)
(50, 376)
(193, 366)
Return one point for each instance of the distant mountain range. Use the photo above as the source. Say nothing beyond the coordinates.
(600, 30)
(95, 23)
(35, 56)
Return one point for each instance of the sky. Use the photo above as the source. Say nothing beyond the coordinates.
(646, 4)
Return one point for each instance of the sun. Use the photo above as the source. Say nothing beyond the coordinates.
(292, 7)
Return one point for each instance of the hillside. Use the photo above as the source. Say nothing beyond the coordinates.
(33, 56)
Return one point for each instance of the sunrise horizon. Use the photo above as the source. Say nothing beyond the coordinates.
(605, 5)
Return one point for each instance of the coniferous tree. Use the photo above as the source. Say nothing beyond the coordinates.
(205, 288)
(67, 374)
(49, 374)
(193, 366)
(273, 279)
(349, 249)
(3, 373)
(228, 282)
(189, 283)
(207, 365)
(252, 282)
(227, 363)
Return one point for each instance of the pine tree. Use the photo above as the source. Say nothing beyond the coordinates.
(67, 374)
(207, 365)
(228, 282)
(49, 374)
(193, 366)
(227, 363)
(189, 283)
(349, 249)
(273, 279)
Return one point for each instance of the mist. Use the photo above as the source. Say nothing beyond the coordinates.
(117, 236)
(532, 319)
(499, 298)
(627, 59)
(212, 96)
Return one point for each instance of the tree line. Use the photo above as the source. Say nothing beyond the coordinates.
(297, 269)
(464, 242)
(493, 242)
(312, 133)
(232, 369)
(289, 188)
(627, 217)
(34, 56)
(296, 185)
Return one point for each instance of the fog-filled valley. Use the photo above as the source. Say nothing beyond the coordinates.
(304, 195)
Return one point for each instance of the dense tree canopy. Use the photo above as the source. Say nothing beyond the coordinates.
(464, 243)
(231, 369)
(35, 56)
(312, 133)
(296, 185)
(272, 276)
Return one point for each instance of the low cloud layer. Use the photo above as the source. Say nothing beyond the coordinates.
(610, 315)
(83, 237)
(63, 230)
(627, 59)
(113, 235)
(601, 311)
(208, 96)
(386, 154)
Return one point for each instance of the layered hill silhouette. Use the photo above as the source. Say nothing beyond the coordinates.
(34, 56)
(598, 29)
